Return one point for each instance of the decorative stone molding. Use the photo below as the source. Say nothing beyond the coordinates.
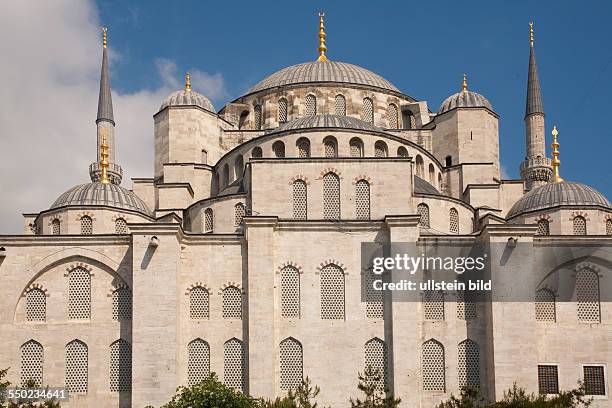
(608, 217)
(590, 266)
(198, 285)
(330, 170)
(83, 214)
(331, 262)
(579, 213)
(115, 287)
(80, 265)
(118, 216)
(543, 217)
(35, 286)
(549, 289)
(230, 284)
(363, 177)
(299, 177)
(55, 217)
(291, 264)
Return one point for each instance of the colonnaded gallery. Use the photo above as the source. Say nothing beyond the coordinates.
(240, 255)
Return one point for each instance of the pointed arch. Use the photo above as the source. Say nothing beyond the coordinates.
(331, 196)
(77, 367)
(433, 366)
(362, 200)
(233, 364)
(32, 362)
(198, 361)
(291, 363)
(120, 377)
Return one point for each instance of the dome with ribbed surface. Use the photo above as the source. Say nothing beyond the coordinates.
(465, 99)
(558, 194)
(324, 71)
(187, 98)
(326, 121)
(94, 194)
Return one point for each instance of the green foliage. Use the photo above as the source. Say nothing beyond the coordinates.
(22, 403)
(469, 398)
(303, 397)
(375, 395)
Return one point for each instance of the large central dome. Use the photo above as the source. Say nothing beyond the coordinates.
(324, 71)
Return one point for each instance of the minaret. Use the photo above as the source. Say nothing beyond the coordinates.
(105, 124)
(536, 170)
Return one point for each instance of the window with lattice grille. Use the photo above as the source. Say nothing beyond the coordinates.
(258, 117)
(332, 293)
(362, 200)
(291, 364)
(543, 227)
(32, 358)
(340, 105)
(198, 303)
(122, 304)
(376, 357)
(290, 292)
(257, 152)
(232, 303)
(300, 200)
(368, 110)
(608, 227)
(466, 307)
(233, 364)
(423, 211)
(420, 166)
(198, 361)
(76, 367)
(331, 196)
(453, 221)
(279, 149)
(545, 309)
(587, 296)
(311, 105)
(209, 220)
(468, 367)
(356, 147)
(86, 225)
(580, 227)
(121, 226)
(36, 305)
(239, 213)
(392, 116)
(79, 294)
(373, 298)
(120, 377)
(330, 147)
(56, 227)
(409, 119)
(282, 110)
(402, 152)
(433, 305)
(548, 379)
(380, 149)
(303, 146)
(432, 366)
(594, 380)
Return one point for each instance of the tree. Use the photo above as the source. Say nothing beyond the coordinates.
(302, 397)
(22, 403)
(371, 384)
(469, 398)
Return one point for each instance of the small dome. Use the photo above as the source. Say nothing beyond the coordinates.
(465, 99)
(326, 121)
(111, 195)
(187, 98)
(557, 194)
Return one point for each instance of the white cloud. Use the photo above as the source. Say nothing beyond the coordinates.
(49, 80)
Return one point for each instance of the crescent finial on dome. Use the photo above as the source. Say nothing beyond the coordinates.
(187, 82)
(322, 36)
(556, 163)
(464, 85)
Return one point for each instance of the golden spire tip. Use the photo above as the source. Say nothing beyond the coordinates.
(531, 33)
(464, 85)
(322, 35)
(187, 82)
(104, 30)
(556, 163)
(104, 162)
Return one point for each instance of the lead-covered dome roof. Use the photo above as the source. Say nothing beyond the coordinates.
(326, 121)
(187, 98)
(465, 99)
(111, 195)
(324, 71)
(557, 194)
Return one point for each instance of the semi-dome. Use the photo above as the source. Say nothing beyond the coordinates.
(326, 121)
(556, 194)
(465, 99)
(185, 97)
(111, 195)
(321, 72)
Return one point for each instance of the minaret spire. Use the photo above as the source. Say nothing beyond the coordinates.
(322, 36)
(534, 92)
(105, 101)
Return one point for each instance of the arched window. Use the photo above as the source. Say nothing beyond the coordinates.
(56, 226)
(432, 366)
(392, 118)
(290, 292)
(239, 213)
(608, 227)
(291, 364)
(580, 226)
(466, 307)
(433, 305)
(198, 361)
(368, 110)
(300, 200)
(32, 359)
(233, 364)
(362, 200)
(238, 167)
(432, 174)
(332, 293)
(120, 366)
(77, 357)
(423, 211)
(121, 226)
(122, 304)
(402, 152)
(331, 196)
(409, 120)
(36, 305)
(198, 303)
(86, 225)
(303, 146)
(545, 308)
(258, 117)
(311, 105)
(420, 166)
(380, 149)
(376, 357)
(282, 110)
(468, 364)
(209, 220)
(330, 146)
(373, 298)
(356, 147)
(256, 152)
(340, 105)
(243, 119)
(587, 296)
(232, 303)
(79, 294)
(543, 227)
(279, 149)
(453, 216)
(226, 176)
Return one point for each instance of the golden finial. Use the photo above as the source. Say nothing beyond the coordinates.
(104, 30)
(187, 82)
(464, 84)
(322, 47)
(555, 153)
(104, 162)
(531, 33)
